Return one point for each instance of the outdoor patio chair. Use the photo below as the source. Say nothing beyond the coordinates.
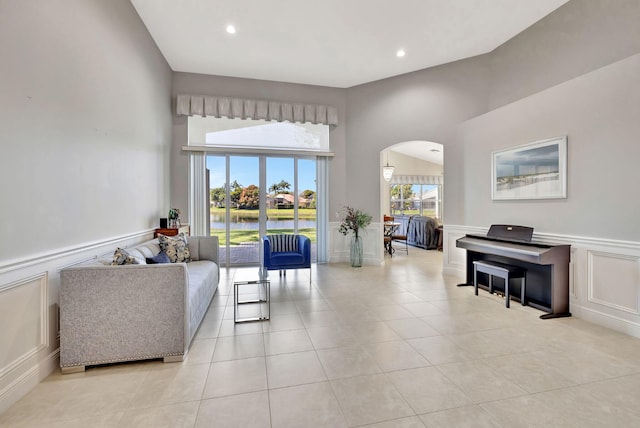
(286, 251)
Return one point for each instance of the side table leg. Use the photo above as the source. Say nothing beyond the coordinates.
(235, 302)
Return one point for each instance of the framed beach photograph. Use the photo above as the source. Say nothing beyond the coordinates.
(536, 170)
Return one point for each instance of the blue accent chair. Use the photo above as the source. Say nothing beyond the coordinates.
(286, 251)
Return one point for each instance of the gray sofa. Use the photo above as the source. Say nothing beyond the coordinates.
(134, 312)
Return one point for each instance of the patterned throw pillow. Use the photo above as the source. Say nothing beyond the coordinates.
(121, 257)
(176, 247)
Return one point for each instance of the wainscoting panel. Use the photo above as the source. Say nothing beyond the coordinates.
(339, 245)
(604, 276)
(454, 258)
(29, 339)
(24, 321)
(613, 281)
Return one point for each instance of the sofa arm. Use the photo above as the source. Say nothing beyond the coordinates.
(204, 248)
(120, 313)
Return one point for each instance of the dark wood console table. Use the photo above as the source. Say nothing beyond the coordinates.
(172, 231)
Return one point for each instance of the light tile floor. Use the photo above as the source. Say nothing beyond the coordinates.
(396, 345)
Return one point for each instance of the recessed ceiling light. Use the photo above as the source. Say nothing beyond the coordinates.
(400, 53)
(231, 29)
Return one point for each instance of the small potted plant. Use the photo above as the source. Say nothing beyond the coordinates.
(174, 217)
(355, 221)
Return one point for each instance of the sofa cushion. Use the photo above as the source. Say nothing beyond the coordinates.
(176, 247)
(145, 252)
(286, 258)
(152, 246)
(161, 257)
(122, 257)
(203, 279)
(137, 254)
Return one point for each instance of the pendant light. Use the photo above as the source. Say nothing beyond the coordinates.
(387, 171)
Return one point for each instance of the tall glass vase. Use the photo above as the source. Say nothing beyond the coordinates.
(356, 251)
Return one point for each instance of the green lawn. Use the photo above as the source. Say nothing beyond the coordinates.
(242, 235)
(303, 213)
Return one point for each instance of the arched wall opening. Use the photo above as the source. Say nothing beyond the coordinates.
(416, 185)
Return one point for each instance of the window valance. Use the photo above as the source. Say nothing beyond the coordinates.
(205, 105)
(416, 179)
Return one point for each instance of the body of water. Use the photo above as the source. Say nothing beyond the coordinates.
(252, 224)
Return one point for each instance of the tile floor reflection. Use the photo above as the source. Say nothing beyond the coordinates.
(396, 345)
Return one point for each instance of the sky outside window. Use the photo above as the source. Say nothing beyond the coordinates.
(245, 171)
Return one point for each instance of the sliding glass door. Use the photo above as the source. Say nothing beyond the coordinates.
(281, 199)
(253, 195)
(307, 208)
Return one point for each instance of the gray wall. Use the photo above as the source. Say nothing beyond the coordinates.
(577, 38)
(418, 106)
(599, 112)
(567, 74)
(86, 125)
(88, 121)
(200, 84)
(424, 105)
(548, 80)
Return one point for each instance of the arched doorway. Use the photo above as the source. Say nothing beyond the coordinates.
(415, 186)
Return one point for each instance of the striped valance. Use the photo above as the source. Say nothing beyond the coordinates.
(416, 179)
(205, 105)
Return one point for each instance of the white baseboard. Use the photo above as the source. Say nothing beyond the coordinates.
(607, 320)
(28, 380)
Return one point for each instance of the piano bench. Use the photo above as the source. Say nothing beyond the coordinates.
(501, 270)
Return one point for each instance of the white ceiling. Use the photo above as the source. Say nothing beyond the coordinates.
(425, 150)
(338, 43)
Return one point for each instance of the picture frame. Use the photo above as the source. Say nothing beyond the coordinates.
(536, 170)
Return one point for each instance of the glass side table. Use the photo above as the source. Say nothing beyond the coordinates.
(261, 296)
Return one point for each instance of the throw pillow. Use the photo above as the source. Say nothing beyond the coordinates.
(121, 257)
(176, 247)
(161, 257)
